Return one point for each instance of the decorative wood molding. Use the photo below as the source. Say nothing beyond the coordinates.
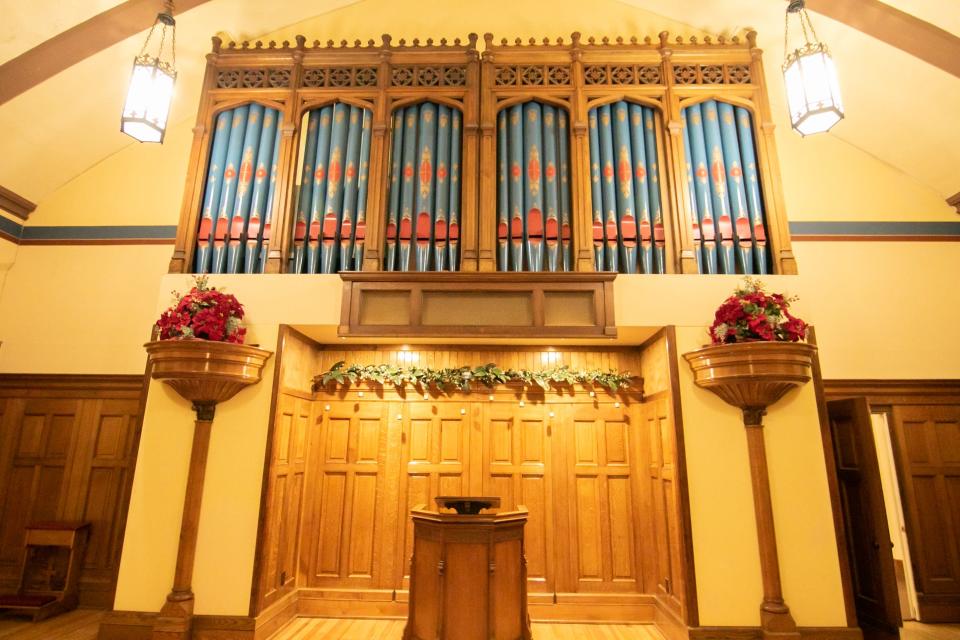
(79, 42)
(897, 28)
(533, 305)
(12, 202)
(954, 201)
(756, 633)
(833, 484)
(891, 392)
(690, 604)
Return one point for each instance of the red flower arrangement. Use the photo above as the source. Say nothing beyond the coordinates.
(751, 314)
(204, 313)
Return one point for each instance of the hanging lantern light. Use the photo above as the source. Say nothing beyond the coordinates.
(813, 94)
(147, 107)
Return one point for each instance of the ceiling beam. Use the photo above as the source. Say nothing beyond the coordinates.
(897, 28)
(79, 42)
(954, 201)
(15, 203)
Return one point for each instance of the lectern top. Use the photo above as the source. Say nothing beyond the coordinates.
(467, 505)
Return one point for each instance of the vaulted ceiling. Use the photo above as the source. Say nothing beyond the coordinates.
(900, 109)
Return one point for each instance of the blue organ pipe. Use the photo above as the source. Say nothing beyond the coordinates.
(752, 184)
(641, 191)
(442, 198)
(563, 151)
(271, 195)
(426, 157)
(623, 183)
(408, 188)
(718, 186)
(351, 175)
(211, 196)
(318, 195)
(533, 182)
(596, 192)
(393, 210)
(336, 169)
(692, 194)
(229, 194)
(360, 232)
(503, 194)
(702, 189)
(245, 177)
(551, 191)
(515, 150)
(261, 185)
(306, 192)
(453, 226)
(737, 194)
(653, 186)
(608, 190)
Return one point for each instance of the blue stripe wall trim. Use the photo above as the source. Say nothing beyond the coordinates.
(169, 232)
(145, 232)
(875, 228)
(10, 228)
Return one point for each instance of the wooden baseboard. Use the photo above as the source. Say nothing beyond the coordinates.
(669, 623)
(126, 625)
(274, 617)
(939, 607)
(755, 633)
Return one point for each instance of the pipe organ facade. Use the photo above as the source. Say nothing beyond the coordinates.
(647, 157)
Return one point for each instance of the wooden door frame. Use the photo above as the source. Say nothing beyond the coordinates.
(883, 396)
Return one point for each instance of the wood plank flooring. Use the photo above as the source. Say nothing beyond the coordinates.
(341, 629)
(919, 631)
(81, 624)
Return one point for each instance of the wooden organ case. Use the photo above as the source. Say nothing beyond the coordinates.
(686, 226)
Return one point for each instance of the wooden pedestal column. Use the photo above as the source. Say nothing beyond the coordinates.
(204, 373)
(752, 376)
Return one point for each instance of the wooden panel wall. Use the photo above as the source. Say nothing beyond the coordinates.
(282, 508)
(594, 469)
(67, 450)
(928, 448)
(924, 419)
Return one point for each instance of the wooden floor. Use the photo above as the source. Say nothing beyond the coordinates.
(918, 631)
(83, 624)
(333, 629)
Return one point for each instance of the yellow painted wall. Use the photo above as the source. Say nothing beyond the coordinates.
(226, 542)
(79, 309)
(8, 254)
(727, 562)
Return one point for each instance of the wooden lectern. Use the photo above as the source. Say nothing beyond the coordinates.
(468, 579)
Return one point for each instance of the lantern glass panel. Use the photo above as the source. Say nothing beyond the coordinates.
(147, 107)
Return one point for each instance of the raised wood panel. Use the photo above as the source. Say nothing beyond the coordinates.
(434, 462)
(518, 467)
(928, 455)
(348, 485)
(284, 504)
(67, 449)
(603, 511)
(578, 461)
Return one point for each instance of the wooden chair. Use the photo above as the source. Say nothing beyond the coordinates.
(52, 557)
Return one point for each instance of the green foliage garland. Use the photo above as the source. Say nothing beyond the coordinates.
(465, 378)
